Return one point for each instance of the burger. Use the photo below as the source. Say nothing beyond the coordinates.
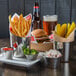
(40, 35)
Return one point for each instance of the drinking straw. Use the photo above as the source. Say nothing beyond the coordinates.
(53, 44)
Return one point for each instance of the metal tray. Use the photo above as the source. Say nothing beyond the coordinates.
(20, 61)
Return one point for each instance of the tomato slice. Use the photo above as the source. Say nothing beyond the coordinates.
(32, 38)
(51, 36)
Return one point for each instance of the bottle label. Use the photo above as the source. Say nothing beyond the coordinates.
(36, 6)
(36, 9)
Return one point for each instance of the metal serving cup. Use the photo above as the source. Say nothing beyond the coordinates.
(6, 54)
(53, 63)
(31, 57)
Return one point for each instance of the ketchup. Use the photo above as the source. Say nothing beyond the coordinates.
(8, 49)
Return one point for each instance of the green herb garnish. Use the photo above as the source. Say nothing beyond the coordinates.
(28, 51)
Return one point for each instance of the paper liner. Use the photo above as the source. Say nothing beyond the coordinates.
(41, 46)
(29, 33)
(70, 38)
(14, 38)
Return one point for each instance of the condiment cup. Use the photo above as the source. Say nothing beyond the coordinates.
(7, 53)
(53, 63)
(53, 58)
(31, 57)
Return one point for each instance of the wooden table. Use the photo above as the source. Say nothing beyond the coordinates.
(65, 69)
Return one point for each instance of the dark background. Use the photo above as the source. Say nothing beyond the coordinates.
(65, 9)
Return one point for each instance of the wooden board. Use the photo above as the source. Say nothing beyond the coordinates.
(47, 7)
(63, 10)
(16, 6)
(3, 19)
(73, 10)
(29, 6)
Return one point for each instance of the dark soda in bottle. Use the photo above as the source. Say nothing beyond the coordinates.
(36, 17)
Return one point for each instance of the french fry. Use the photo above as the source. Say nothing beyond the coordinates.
(20, 26)
(18, 33)
(12, 31)
(63, 30)
(13, 27)
(21, 23)
(72, 27)
(18, 29)
(24, 24)
(68, 27)
(25, 34)
(25, 31)
(24, 27)
(9, 18)
(16, 19)
(58, 27)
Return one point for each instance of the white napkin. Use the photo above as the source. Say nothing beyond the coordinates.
(19, 52)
